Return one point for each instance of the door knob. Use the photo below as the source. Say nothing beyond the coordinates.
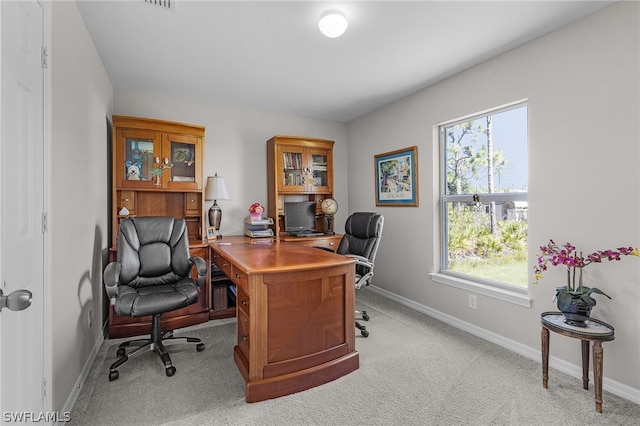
(16, 301)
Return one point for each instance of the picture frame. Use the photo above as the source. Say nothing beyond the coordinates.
(396, 178)
(211, 233)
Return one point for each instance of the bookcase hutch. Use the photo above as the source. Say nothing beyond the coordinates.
(299, 169)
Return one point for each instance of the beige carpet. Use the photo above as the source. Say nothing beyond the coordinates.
(414, 370)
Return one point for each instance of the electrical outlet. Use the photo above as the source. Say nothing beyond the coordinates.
(89, 319)
(473, 301)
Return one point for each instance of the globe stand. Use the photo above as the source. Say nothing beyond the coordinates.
(329, 219)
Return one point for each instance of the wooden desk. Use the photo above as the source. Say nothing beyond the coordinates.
(295, 314)
(596, 332)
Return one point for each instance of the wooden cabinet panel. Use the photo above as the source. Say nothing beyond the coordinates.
(193, 204)
(128, 201)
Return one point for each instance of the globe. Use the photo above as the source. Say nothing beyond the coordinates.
(329, 206)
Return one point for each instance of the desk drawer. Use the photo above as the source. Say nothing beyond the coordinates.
(330, 243)
(243, 301)
(243, 331)
(223, 264)
(240, 278)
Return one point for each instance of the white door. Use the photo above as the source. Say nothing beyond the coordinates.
(21, 208)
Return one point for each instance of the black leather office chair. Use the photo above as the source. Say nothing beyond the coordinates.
(363, 231)
(152, 276)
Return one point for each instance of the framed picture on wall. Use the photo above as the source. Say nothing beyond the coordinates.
(396, 176)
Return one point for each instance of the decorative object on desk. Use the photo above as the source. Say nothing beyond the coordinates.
(157, 173)
(215, 190)
(257, 228)
(124, 211)
(397, 178)
(329, 208)
(211, 233)
(574, 300)
(256, 210)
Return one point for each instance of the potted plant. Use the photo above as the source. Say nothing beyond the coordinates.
(574, 299)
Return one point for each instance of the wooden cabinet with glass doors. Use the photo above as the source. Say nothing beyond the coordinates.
(158, 171)
(298, 169)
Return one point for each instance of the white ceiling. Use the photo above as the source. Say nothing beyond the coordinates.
(271, 55)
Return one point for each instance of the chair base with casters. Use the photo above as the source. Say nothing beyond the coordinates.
(362, 328)
(155, 343)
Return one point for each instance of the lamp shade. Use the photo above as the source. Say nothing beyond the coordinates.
(216, 189)
(333, 23)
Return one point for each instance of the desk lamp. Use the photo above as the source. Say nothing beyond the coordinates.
(216, 190)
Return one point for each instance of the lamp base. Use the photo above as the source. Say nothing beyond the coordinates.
(215, 217)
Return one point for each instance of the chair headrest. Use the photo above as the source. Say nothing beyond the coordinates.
(364, 225)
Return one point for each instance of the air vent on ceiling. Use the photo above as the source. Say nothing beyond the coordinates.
(165, 4)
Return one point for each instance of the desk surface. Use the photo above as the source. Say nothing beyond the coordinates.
(268, 255)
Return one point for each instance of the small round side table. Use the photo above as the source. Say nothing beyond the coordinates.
(596, 332)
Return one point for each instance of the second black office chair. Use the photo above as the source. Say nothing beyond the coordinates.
(363, 231)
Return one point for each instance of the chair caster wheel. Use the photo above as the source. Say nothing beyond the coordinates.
(200, 347)
(364, 333)
(120, 353)
(171, 371)
(365, 316)
(113, 375)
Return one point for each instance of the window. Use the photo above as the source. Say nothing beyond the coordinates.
(484, 197)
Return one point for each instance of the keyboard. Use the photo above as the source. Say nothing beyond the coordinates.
(307, 234)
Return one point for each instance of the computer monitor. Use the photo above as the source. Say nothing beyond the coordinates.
(299, 216)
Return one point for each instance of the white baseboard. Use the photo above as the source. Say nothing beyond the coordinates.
(617, 388)
(73, 396)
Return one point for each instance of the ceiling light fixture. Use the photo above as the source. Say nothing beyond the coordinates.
(333, 23)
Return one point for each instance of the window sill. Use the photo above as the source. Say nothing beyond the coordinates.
(517, 296)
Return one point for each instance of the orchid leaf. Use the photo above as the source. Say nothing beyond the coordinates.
(588, 300)
(595, 290)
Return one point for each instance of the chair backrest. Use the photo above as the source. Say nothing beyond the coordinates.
(363, 231)
(153, 250)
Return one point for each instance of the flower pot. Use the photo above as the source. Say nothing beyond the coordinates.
(577, 313)
(255, 216)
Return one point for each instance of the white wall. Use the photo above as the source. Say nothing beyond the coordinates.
(235, 146)
(82, 99)
(582, 83)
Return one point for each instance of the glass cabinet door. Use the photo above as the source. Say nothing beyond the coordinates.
(321, 179)
(137, 156)
(180, 162)
(291, 162)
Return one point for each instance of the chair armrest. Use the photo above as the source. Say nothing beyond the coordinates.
(365, 278)
(201, 267)
(361, 260)
(111, 278)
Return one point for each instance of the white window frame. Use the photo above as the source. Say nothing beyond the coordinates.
(476, 285)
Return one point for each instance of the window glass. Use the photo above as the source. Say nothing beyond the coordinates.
(484, 197)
